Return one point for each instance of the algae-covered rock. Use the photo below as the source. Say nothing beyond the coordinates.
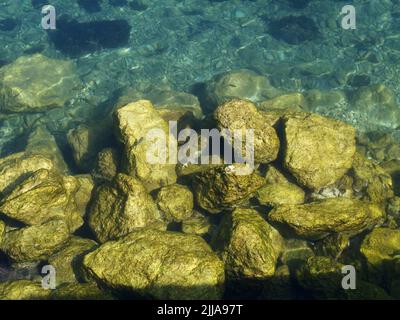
(42, 196)
(36, 83)
(23, 290)
(142, 132)
(36, 242)
(241, 115)
(176, 201)
(79, 291)
(248, 245)
(295, 252)
(121, 206)
(196, 224)
(19, 165)
(371, 182)
(240, 84)
(318, 151)
(67, 261)
(278, 194)
(158, 264)
(107, 164)
(318, 219)
(333, 245)
(222, 188)
(286, 102)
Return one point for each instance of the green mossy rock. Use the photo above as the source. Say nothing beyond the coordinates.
(318, 219)
(197, 224)
(243, 115)
(67, 261)
(248, 245)
(135, 123)
(158, 264)
(176, 202)
(122, 206)
(37, 242)
(332, 246)
(318, 151)
(23, 290)
(2, 230)
(43, 196)
(79, 291)
(295, 252)
(107, 164)
(222, 188)
(36, 83)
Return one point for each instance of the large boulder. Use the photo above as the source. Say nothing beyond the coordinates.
(36, 83)
(158, 264)
(47, 195)
(121, 206)
(241, 115)
(135, 124)
(36, 242)
(317, 220)
(318, 151)
(222, 188)
(23, 290)
(248, 245)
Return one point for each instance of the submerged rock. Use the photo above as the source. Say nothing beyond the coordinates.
(243, 115)
(221, 188)
(79, 291)
(121, 206)
(23, 290)
(36, 83)
(248, 245)
(196, 224)
(318, 151)
(295, 252)
(36, 242)
(67, 261)
(175, 201)
(43, 196)
(317, 220)
(107, 164)
(135, 123)
(286, 102)
(158, 264)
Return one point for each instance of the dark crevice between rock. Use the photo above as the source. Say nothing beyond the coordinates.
(90, 6)
(8, 24)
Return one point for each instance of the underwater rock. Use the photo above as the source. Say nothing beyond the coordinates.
(107, 164)
(287, 102)
(23, 290)
(42, 142)
(243, 115)
(134, 123)
(43, 196)
(326, 102)
(175, 201)
(332, 246)
(197, 224)
(221, 188)
(279, 287)
(167, 265)
(79, 291)
(295, 252)
(248, 245)
(2, 230)
(239, 84)
(36, 83)
(371, 182)
(67, 261)
(36, 242)
(18, 166)
(317, 220)
(121, 206)
(318, 151)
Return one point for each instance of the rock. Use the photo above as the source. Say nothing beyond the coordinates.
(18, 166)
(291, 101)
(42, 142)
(135, 123)
(332, 246)
(318, 151)
(37, 242)
(120, 207)
(196, 224)
(317, 220)
(176, 202)
(280, 286)
(67, 261)
(107, 164)
(295, 252)
(167, 265)
(371, 182)
(327, 103)
(248, 245)
(221, 188)
(79, 291)
(36, 83)
(239, 84)
(23, 290)
(242, 115)
(43, 196)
